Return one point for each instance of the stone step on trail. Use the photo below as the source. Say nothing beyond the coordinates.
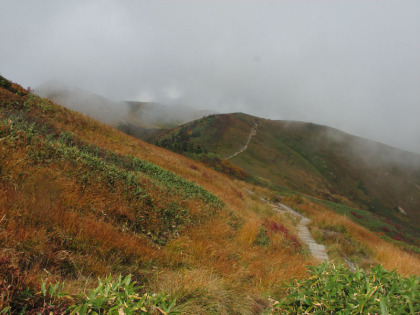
(317, 250)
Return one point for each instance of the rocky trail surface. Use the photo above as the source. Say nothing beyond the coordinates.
(317, 250)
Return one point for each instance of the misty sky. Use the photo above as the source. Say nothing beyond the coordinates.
(353, 65)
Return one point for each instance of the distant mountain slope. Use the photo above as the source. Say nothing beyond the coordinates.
(316, 160)
(140, 119)
(159, 115)
(82, 101)
(147, 120)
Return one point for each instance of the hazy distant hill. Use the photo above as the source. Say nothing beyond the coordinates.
(140, 119)
(85, 102)
(145, 120)
(316, 160)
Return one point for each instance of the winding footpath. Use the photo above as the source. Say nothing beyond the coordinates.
(317, 250)
(251, 134)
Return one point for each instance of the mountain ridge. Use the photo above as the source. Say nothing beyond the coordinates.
(316, 160)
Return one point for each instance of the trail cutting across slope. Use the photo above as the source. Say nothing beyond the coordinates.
(317, 250)
(251, 134)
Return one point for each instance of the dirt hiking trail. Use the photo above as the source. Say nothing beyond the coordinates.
(317, 250)
(251, 134)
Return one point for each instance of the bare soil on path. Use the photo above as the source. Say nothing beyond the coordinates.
(251, 134)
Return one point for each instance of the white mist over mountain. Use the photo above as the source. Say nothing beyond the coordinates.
(352, 65)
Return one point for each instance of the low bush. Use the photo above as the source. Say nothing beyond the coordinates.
(122, 297)
(336, 290)
(118, 296)
(5, 83)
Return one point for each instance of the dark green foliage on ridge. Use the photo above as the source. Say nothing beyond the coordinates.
(181, 140)
(4, 82)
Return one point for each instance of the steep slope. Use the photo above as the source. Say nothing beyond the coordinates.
(316, 160)
(79, 199)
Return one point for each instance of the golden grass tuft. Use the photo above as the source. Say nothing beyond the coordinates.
(200, 291)
(248, 232)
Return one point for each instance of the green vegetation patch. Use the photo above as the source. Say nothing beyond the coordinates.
(68, 145)
(122, 297)
(5, 83)
(110, 296)
(403, 235)
(336, 290)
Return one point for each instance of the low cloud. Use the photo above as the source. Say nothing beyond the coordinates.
(352, 65)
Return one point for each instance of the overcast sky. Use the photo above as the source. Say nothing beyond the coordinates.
(353, 65)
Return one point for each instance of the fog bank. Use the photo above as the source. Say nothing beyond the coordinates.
(352, 65)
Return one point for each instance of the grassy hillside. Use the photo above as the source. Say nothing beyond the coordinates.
(318, 161)
(81, 200)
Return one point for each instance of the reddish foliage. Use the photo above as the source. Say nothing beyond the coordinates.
(359, 216)
(226, 167)
(389, 222)
(16, 292)
(399, 237)
(4, 130)
(237, 193)
(10, 281)
(273, 227)
(47, 309)
(193, 167)
(399, 227)
(385, 229)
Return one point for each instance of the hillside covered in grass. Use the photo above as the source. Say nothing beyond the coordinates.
(81, 200)
(318, 161)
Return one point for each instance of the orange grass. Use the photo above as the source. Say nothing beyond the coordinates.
(387, 254)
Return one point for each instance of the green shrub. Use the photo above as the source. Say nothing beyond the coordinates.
(262, 239)
(336, 290)
(122, 297)
(4, 82)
